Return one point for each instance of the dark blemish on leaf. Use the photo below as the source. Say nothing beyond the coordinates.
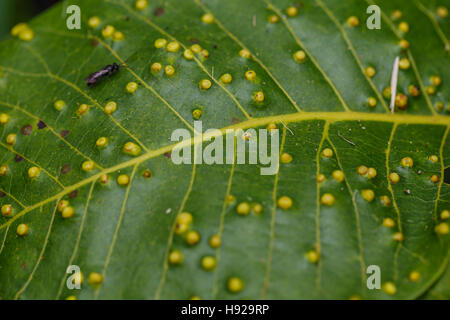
(159, 11)
(168, 155)
(73, 194)
(2, 194)
(407, 192)
(215, 46)
(41, 125)
(147, 174)
(447, 175)
(193, 40)
(235, 120)
(23, 265)
(64, 133)
(26, 129)
(94, 43)
(18, 158)
(127, 18)
(166, 28)
(66, 169)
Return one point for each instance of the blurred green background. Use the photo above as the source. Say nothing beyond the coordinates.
(15, 11)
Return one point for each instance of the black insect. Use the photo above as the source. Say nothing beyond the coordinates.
(106, 72)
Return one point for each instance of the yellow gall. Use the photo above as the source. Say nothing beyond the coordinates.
(388, 223)
(95, 279)
(215, 241)
(397, 14)
(403, 27)
(257, 208)
(445, 214)
(404, 63)
(436, 81)
(205, 84)
(338, 175)
(442, 228)
(244, 53)
(258, 96)
(394, 177)
(101, 142)
(355, 297)
(208, 263)
(389, 288)
(431, 90)
(414, 276)
(93, 22)
(285, 158)
(362, 170)
(131, 148)
(371, 102)
(371, 173)
(11, 139)
(156, 67)
(273, 18)
(196, 114)
(299, 56)
(192, 238)
(284, 202)
(33, 172)
(401, 101)
(83, 109)
(169, 70)
(208, 18)
(118, 35)
(175, 257)
(71, 298)
(230, 198)
(327, 153)
(235, 285)
(104, 178)
(250, 75)
(271, 126)
(188, 54)
(4, 118)
(110, 107)
(131, 87)
(108, 31)
(320, 178)
(353, 21)
(407, 162)
(173, 46)
(312, 256)
(370, 72)
(160, 43)
(67, 212)
(181, 228)
(195, 298)
(123, 180)
(440, 105)
(404, 44)
(387, 92)
(88, 165)
(368, 195)
(7, 210)
(22, 229)
(226, 78)
(434, 178)
(413, 90)
(26, 34)
(185, 217)
(243, 208)
(385, 201)
(141, 4)
(18, 28)
(196, 48)
(3, 170)
(398, 236)
(442, 12)
(327, 199)
(205, 53)
(62, 204)
(59, 105)
(291, 11)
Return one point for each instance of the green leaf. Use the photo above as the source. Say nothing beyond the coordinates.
(126, 233)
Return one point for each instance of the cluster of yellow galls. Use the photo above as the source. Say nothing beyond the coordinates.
(108, 31)
(23, 32)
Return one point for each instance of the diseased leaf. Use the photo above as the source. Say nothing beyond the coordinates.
(354, 216)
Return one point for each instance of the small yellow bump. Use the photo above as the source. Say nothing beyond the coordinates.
(401, 101)
(371, 173)
(104, 178)
(7, 210)
(205, 53)
(226, 78)
(327, 199)
(273, 18)
(284, 202)
(196, 114)
(131, 87)
(385, 200)
(442, 228)
(110, 107)
(299, 56)
(312, 256)
(215, 241)
(387, 92)
(22, 229)
(440, 105)
(327, 153)
(208, 18)
(175, 257)
(101, 142)
(362, 170)
(192, 238)
(244, 53)
(414, 90)
(169, 70)
(131, 148)
(414, 276)
(184, 217)
(59, 105)
(353, 21)
(108, 31)
(407, 162)
(160, 43)
(370, 72)
(404, 63)
(95, 279)
(141, 4)
(257, 208)
(67, 212)
(11, 139)
(83, 109)
(3, 170)
(88, 165)
(338, 175)
(388, 223)
(33, 172)
(123, 180)
(431, 90)
(250, 75)
(93, 22)
(205, 84)
(285, 158)
(71, 298)
(173, 46)
(396, 14)
(26, 34)
(196, 48)
(436, 81)
(434, 178)
(271, 126)
(62, 204)
(371, 102)
(181, 228)
(118, 36)
(403, 27)
(208, 263)
(18, 28)
(389, 288)
(4, 118)
(292, 11)
(394, 177)
(442, 12)
(368, 195)
(320, 178)
(230, 198)
(235, 285)
(188, 54)
(258, 96)
(355, 297)
(404, 44)
(445, 214)
(156, 67)
(243, 208)
(195, 298)
(398, 236)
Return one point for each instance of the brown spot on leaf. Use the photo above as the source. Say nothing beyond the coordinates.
(159, 11)
(41, 124)
(168, 155)
(65, 169)
(64, 133)
(18, 158)
(2, 194)
(73, 194)
(26, 129)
